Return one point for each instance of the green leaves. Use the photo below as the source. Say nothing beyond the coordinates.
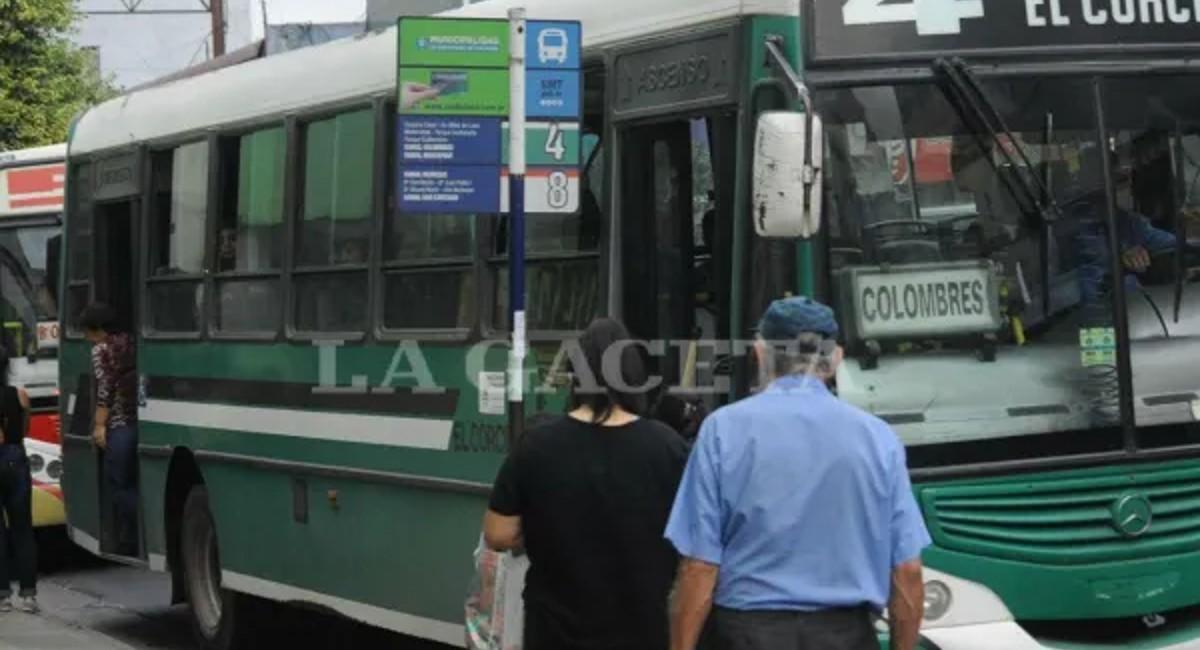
(45, 80)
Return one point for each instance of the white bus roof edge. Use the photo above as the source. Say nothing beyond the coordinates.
(359, 67)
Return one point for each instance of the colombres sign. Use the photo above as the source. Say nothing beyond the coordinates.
(914, 29)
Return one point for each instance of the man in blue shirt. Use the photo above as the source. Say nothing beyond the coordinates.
(795, 516)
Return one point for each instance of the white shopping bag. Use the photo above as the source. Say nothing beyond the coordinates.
(495, 611)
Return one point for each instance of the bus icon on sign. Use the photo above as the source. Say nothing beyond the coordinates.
(552, 46)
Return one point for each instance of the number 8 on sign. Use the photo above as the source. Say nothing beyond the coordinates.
(558, 195)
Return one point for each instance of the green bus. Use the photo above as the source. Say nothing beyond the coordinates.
(998, 196)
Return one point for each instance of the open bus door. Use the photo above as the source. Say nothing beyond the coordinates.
(676, 210)
(115, 259)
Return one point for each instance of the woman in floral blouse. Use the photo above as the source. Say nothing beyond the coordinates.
(114, 427)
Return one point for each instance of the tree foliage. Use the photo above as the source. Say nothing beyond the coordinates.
(45, 80)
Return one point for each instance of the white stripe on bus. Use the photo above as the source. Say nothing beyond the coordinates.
(428, 628)
(421, 433)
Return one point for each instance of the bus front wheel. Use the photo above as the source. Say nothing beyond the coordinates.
(215, 611)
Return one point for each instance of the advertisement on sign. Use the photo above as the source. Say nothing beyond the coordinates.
(440, 91)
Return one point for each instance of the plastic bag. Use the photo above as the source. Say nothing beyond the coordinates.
(495, 611)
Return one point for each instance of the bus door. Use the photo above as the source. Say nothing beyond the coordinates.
(675, 211)
(117, 260)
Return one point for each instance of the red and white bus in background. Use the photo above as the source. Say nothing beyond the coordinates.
(31, 208)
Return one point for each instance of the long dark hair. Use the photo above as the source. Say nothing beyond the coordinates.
(4, 365)
(99, 316)
(592, 386)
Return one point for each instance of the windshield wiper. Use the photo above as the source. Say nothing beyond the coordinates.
(979, 113)
(1177, 223)
(967, 96)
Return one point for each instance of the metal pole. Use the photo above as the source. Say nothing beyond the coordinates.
(217, 9)
(1118, 304)
(516, 223)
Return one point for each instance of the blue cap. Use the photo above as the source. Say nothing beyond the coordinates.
(788, 318)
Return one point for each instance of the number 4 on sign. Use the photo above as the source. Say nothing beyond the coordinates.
(932, 17)
(554, 142)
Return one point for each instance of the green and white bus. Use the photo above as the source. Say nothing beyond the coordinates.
(998, 196)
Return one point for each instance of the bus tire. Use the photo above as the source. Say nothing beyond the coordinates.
(215, 611)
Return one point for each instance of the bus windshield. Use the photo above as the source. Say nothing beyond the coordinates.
(27, 299)
(969, 315)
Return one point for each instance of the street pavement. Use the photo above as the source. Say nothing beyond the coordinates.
(88, 603)
(20, 631)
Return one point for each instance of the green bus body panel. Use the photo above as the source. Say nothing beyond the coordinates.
(404, 549)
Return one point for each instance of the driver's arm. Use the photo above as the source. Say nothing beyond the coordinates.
(1154, 239)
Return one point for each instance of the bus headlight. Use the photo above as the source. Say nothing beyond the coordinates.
(937, 600)
(36, 463)
(54, 470)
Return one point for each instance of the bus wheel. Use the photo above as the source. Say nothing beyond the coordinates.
(214, 610)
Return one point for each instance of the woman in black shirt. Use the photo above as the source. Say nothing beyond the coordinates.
(16, 486)
(588, 495)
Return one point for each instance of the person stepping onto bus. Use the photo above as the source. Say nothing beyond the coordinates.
(587, 494)
(16, 498)
(795, 516)
(114, 426)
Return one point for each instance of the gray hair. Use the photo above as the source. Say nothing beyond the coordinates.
(807, 354)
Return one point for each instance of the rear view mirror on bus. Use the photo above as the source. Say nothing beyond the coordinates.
(788, 148)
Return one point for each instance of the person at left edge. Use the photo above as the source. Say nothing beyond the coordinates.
(588, 494)
(114, 426)
(16, 485)
(795, 514)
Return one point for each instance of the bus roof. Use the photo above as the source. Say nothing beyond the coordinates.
(359, 67)
(33, 156)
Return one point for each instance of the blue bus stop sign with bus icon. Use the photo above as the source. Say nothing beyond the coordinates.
(552, 45)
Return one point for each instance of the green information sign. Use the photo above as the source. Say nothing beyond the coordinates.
(450, 91)
(458, 43)
(547, 143)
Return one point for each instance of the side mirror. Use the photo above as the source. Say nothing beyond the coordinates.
(788, 152)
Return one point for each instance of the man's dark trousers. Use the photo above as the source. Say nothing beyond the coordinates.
(833, 629)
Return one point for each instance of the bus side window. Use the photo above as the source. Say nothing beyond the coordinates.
(249, 242)
(562, 273)
(334, 228)
(175, 287)
(79, 244)
(428, 268)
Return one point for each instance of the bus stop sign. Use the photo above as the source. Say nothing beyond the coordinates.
(451, 132)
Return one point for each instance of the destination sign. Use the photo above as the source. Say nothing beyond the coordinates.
(32, 190)
(924, 300)
(915, 29)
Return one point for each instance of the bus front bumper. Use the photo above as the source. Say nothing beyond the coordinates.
(48, 506)
(977, 619)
